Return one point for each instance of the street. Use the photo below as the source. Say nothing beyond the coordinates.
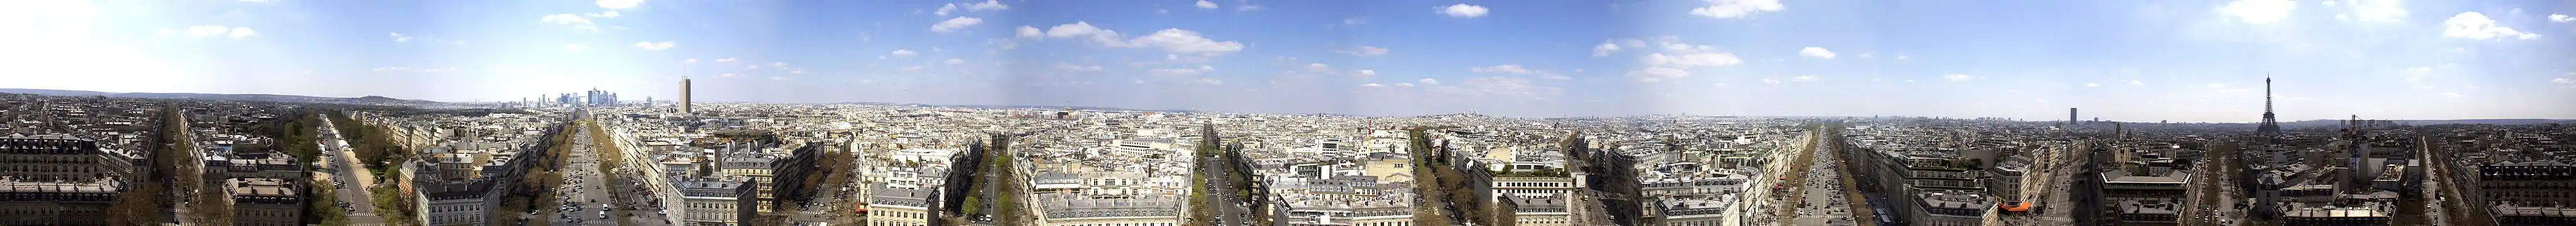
(1221, 192)
(351, 176)
(589, 198)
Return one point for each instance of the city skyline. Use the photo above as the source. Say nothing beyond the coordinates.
(2120, 61)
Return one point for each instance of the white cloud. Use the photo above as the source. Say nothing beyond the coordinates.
(2472, 25)
(1245, 6)
(944, 9)
(727, 75)
(654, 45)
(2328, 3)
(955, 61)
(1604, 49)
(1204, 4)
(1770, 81)
(1653, 74)
(955, 23)
(2378, 10)
(619, 4)
(1676, 58)
(389, 69)
(1804, 78)
(604, 14)
(1507, 68)
(1902, 57)
(1354, 21)
(902, 53)
(576, 47)
(727, 60)
(778, 78)
(1693, 59)
(1428, 81)
(1361, 85)
(1211, 81)
(2451, 95)
(1816, 52)
(1185, 41)
(690, 61)
(2134, 82)
(988, 5)
(1030, 32)
(2216, 85)
(2528, 36)
(1075, 67)
(1175, 72)
(1080, 29)
(1367, 72)
(207, 31)
(239, 32)
(1505, 87)
(2259, 11)
(1736, 8)
(1554, 76)
(398, 37)
(1404, 85)
(2089, 85)
(1463, 10)
(778, 64)
(1958, 77)
(1319, 67)
(1363, 51)
(578, 23)
(2561, 18)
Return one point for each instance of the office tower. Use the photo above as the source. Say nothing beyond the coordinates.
(684, 96)
(2070, 116)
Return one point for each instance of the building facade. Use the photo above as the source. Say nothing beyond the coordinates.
(265, 202)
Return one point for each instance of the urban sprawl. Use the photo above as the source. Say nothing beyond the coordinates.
(592, 159)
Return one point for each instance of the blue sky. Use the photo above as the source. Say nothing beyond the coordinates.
(2186, 61)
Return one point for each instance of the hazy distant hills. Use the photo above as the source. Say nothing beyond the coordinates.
(232, 97)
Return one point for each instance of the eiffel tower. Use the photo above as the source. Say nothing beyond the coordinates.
(2270, 126)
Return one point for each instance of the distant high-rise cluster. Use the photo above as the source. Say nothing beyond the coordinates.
(599, 98)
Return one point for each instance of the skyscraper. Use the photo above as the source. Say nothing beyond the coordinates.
(2270, 125)
(684, 95)
(2070, 116)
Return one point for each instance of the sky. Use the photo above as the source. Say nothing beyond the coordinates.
(2182, 61)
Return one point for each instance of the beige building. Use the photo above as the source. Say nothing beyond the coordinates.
(265, 202)
(62, 157)
(710, 203)
(457, 204)
(900, 207)
(1381, 213)
(56, 203)
(1061, 209)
